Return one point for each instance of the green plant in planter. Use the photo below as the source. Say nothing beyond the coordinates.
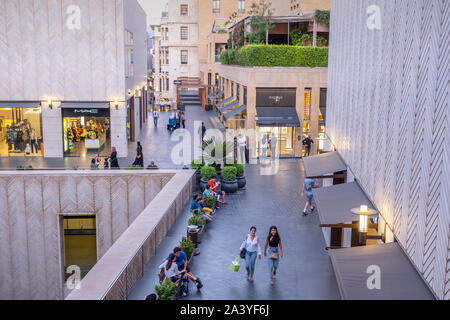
(196, 221)
(306, 39)
(208, 173)
(229, 173)
(187, 246)
(209, 202)
(197, 163)
(166, 290)
(239, 170)
(133, 167)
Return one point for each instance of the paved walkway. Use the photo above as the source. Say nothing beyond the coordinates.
(304, 273)
(156, 142)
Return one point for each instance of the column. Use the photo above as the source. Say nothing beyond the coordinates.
(299, 105)
(315, 103)
(52, 132)
(119, 137)
(251, 121)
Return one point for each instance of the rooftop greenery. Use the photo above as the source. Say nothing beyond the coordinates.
(276, 55)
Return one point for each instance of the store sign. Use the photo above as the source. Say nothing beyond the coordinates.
(177, 82)
(77, 112)
(275, 97)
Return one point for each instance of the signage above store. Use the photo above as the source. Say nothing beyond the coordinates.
(177, 82)
(77, 112)
(276, 97)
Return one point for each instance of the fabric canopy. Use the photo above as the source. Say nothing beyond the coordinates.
(224, 102)
(277, 117)
(227, 116)
(27, 104)
(212, 94)
(334, 203)
(399, 279)
(217, 95)
(327, 163)
(229, 106)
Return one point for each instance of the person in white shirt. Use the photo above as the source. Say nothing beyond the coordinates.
(252, 246)
(171, 272)
(242, 141)
(156, 117)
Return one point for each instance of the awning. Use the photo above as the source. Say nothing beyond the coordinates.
(20, 104)
(399, 279)
(334, 203)
(327, 163)
(277, 117)
(229, 106)
(227, 116)
(86, 105)
(224, 102)
(217, 96)
(212, 94)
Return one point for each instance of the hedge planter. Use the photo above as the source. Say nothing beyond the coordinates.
(230, 186)
(242, 182)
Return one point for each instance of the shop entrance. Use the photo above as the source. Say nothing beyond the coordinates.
(284, 141)
(87, 132)
(20, 132)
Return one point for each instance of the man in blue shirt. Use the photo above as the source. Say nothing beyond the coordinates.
(308, 185)
(181, 260)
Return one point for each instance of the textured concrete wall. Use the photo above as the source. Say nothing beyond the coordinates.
(113, 277)
(388, 116)
(31, 203)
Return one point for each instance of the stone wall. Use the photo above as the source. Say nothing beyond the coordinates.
(32, 202)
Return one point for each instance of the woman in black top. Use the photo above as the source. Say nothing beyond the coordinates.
(113, 158)
(273, 242)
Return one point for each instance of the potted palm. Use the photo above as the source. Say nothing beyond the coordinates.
(229, 182)
(242, 182)
(207, 174)
(217, 154)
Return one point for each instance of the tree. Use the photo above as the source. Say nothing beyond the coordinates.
(260, 21)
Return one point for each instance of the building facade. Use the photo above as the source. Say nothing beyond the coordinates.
(72, 71)
(388, 117)
(303, 6)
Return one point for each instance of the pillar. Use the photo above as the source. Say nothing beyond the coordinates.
(299, 106)
(52, 132)
(315, 102)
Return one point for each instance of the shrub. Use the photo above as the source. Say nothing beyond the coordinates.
(296, 35)
(209, 202)
(133, 167)
(187, 246)
(239, 170)
(208, 173)
(278, 55)
(230, 56)
(229, 173)
(323, 16)
(306, 39)
(166, 290)
(196, 221)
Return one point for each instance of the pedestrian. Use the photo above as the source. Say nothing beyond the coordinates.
(183, 119)
(273, 243)
(98, 160)
(203, 131)
(252, 248)
(93, 165)
(106, 164)
(307, 143)
(235, 148)
(308, 185)
(178, 119)
(34, 144)
(139, 156)
(155, 117)
(242, 141)
(114, 160)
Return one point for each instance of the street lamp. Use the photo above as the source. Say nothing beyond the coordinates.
(50, 102)
(364, 212)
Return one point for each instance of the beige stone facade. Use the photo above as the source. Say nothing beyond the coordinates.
(302, 6)
(307, 83)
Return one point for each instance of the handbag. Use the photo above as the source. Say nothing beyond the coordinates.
(162, 275)
(244, 251)
(235, 265)
(273, 255)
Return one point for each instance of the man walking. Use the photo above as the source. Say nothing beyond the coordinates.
(308, 185)
(156, 117)
(242, 140)
(307, 143)
(273, 147)
(203, 131)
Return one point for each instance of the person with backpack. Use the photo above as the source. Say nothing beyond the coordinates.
(252, 248)
(307, 143)
(273, 243)
(155, 117)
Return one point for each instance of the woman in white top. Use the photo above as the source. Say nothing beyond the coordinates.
(170, 268)
(252, 246)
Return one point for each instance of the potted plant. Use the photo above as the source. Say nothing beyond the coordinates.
(199, 222)
(209, 202)
(229, 182)
(197, 164)
(166, 291)
(306, 39)
(188, 247)
(242, 182)
(207, 174)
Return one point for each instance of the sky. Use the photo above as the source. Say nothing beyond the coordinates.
(153, 9)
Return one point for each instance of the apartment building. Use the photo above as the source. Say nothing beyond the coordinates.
(303, 6)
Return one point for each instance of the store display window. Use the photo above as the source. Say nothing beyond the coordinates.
(87, 132)
(21, 132)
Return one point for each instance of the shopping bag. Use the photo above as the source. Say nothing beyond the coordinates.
(235, 265)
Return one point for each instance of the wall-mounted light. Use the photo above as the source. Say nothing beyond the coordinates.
(116, 103)
(363, 213)
(50, 102)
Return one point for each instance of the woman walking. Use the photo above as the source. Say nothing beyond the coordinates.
(139, 156)
(273, 242)
(252, 248)
(113, 158)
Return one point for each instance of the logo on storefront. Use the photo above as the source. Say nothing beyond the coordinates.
(83, 111)
(277, 99)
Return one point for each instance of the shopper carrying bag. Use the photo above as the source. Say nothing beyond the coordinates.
(253, 248)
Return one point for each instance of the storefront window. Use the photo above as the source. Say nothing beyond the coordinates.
(87, 132)
(283, 144)
(20, 132)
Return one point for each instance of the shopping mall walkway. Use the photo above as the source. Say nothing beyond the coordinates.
(156, 142)
(305, 271)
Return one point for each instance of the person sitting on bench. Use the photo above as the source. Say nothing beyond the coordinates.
(197, 208)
